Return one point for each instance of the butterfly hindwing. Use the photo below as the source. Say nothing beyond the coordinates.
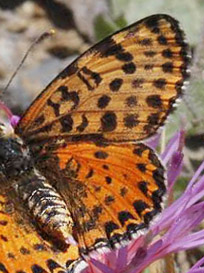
(112, 191)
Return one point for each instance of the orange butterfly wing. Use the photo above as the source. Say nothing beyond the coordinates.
(123, 88)
(112, 191)
(22, 249)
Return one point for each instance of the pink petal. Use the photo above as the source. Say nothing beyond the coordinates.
(174, 144)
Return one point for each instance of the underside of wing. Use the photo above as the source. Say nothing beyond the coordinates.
(123, 88)
(112, 191)
(22, 249)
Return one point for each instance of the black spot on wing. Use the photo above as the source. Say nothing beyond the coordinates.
(74, 97)
(55, 107)
(129, 68)
(110, 227)
(160, 83)
(137, 83)
(108, 179)
(95, 76)
(140, 206)
(124, 56)
(97, 188)
(10, 256)
(154, 101)
(167, 53)
(108, 122)
(109, 199)
(131, 120)
(3, 268)
(3, 238)
(52, 265)
(105, 167)
(24, 251)
(101, 155)
(83, 124)
(88, 76)
(103, 101)
(3, 223)
(37, 269)
(39, 247)
(90, 173)
(142, 185)
(85, 81)
(124, 216)
(162, 40)
(167, 67)
(63, 89)
(115, 84)
(146, 42)
(131, 101)
(66, 123)
(141, 167)
(68, 71)
(109, 47)
(150, 53)
(148, 66)
(154, 119)
(138, 150)
(123, 191)
(69, 96)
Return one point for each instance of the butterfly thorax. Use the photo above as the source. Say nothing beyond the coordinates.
(15, 159)
(46, 206)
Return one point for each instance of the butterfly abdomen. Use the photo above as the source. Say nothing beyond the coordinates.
(46, 206)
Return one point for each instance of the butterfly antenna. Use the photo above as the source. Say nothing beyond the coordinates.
(41, 38)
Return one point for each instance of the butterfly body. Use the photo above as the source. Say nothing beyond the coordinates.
(81, 155)
(45, 206)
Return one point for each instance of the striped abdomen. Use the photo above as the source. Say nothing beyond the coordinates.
(47, 207)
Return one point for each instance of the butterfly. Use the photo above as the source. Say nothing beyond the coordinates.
(75, 176)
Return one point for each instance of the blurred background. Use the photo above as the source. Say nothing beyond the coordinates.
(78, 25)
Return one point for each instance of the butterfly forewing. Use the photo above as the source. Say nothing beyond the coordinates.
(122, 88)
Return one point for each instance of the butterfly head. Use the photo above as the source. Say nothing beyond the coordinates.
(14, 156)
